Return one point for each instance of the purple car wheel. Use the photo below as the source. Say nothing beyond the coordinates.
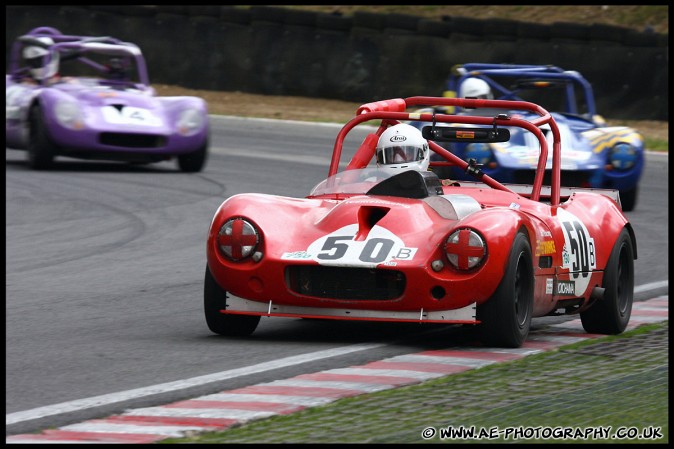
(41, 151)
(193, 162)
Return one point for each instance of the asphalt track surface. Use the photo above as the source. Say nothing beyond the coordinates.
(104, 279)
(615, 375)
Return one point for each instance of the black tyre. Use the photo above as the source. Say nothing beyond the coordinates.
(41, 150)
(193, 162)
(628, 199)
(215, 299)
(506, 316)
(611, 314)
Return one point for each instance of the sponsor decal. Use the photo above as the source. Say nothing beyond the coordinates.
(545, 247)
(398, 138)
(465, 134)
(565, 256)
(566, 288)
(296, 255)
(514, 206)
(548, 286)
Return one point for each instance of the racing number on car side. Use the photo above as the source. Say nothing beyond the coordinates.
(579, 253)
(581, 248)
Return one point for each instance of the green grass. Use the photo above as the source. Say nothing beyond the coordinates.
(656, 144)
(617, 382)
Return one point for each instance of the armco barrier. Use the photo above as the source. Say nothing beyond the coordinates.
(366, 57)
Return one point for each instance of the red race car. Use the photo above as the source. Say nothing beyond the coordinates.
(386, 240)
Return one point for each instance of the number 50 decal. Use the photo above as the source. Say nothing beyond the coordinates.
(340, 248)
(376, 250)
(579, 250)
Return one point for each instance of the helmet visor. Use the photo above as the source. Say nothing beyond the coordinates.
(399, 154)
(35, 62)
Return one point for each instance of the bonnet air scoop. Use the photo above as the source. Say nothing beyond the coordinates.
(368, 216)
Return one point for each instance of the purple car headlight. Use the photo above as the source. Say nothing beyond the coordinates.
(190, 122)
(69, 115)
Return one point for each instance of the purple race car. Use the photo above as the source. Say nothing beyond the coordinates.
(90, 98)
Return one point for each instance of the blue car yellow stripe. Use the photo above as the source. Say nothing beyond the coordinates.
(606, 140)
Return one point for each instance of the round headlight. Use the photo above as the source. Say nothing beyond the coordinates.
(465, 249)
(238, 239)
(68, 114)
(623, 156)
(190, 122)
(481, 152)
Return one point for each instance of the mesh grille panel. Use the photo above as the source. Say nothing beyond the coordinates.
(345, 283)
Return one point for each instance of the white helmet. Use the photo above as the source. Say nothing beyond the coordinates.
(475, 87)
(34, 57)
(402, 147)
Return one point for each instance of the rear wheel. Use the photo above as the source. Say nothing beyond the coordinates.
(193, 162)
(611, 314)
(505, 318)
(41, 150)
(215, 299)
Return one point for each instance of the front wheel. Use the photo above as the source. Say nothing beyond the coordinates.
(505, 318)
(610, 314)
(41, 150)
(194, 161)
(215, 299)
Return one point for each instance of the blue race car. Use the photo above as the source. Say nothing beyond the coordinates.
(593, 154)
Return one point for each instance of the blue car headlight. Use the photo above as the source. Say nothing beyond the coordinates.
(623, 156)
(69, 114)
(190, 122)
(481, 152)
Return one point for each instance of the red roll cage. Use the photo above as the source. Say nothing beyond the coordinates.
(392, 111)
